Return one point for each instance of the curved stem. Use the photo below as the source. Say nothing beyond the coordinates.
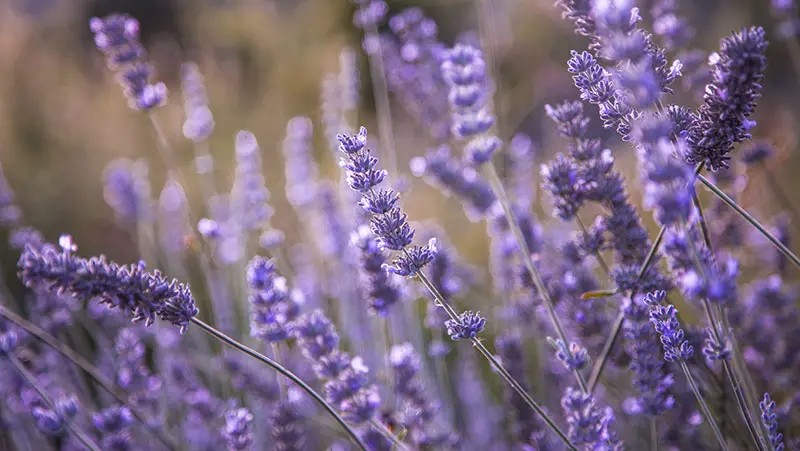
(31, 379)
(283, 371)
(86, 367)
(703, 406)
(497, 187)
(439, 299)
(752, 220)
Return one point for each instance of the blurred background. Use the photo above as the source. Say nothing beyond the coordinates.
(63, 117)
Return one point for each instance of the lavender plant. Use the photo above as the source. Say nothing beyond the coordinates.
(326, 303)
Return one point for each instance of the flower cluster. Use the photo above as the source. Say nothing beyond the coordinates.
(730, 99)
(379, 289)
(464, 71)
(388, 222)
(273, 308)
(665, 321)
(117, 36)
(130, 288)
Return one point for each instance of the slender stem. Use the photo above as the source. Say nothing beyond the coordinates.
(597, 370)
(703, 222)
(86, 367)
(599, 366)
(31, 379)
(439, 299)
(778, 192)
(653, 434)
(383, 108)
(753, 221)
(722, 335)
(497, 187)
(703, 406)
(283, 371)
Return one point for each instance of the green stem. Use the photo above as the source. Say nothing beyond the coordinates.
(703, 406)
(497, 187)
(86, 367)
(439, 299)
(31, 379)
(753, 221)
(283, 371)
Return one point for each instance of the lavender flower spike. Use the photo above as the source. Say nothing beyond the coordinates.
(130, 288)
(665, 321)
(469, 325)
(117, 36)
(388, 222)
(237, 429)
(770, 422)
(464, 70)
(730, 99)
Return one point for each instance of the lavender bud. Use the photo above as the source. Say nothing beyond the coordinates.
(468, 325)
(770, 422)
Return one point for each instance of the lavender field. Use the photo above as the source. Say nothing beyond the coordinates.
(399, 225)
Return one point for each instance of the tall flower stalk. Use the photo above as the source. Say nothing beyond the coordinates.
(390, 225)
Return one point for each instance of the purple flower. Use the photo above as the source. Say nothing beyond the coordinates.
(287, 427)
(453, 177)
(770, 422)
(237, 429)
(464, 70)
(272, 308)
(419, 410)
(730, 99)
(757, 153)
(468, 325)
(574, 358)
(716, 348)
(650, 376)
(665, 321)
(301, 169)
(589, 425)
(132, 372)
(199, 122)
(391, 226)
(52, 420)
(113, 424)
(130, 288)
(117, 36)
(127, 191)
(378, 288)
(250, 194)
(412, 57)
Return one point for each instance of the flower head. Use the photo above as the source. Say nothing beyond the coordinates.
(730, 99)
(130, 288)
(468, 325)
